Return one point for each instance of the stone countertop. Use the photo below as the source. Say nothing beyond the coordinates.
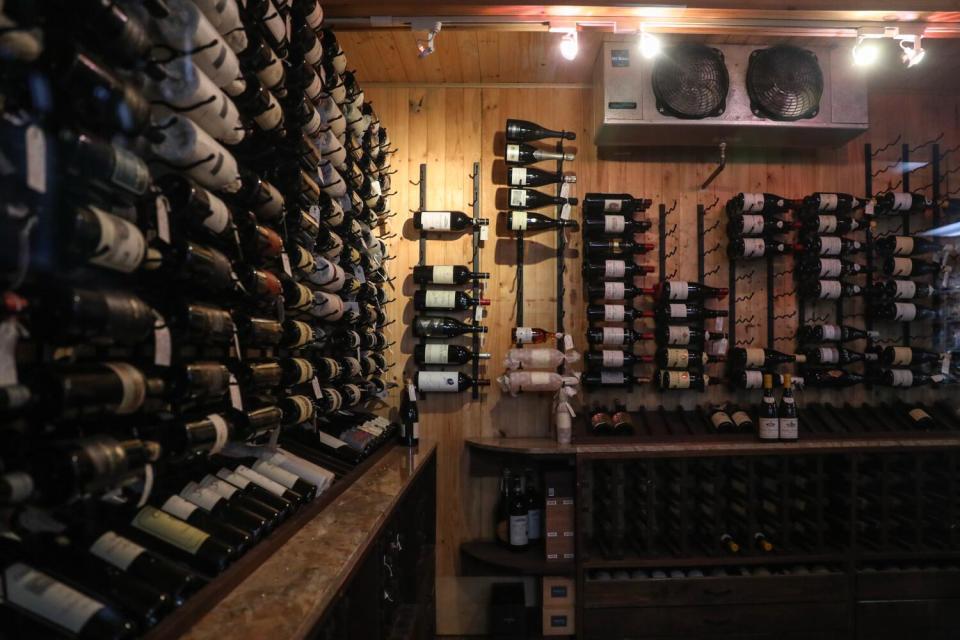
(285, 596)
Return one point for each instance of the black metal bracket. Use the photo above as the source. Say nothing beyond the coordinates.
(476, 283)
(868, 155)
(561, 249)
(905, 184)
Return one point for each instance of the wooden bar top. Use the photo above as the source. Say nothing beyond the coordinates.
(285, 597)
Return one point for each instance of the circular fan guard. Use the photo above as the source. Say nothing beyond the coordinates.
(784, 83)
(690, 81)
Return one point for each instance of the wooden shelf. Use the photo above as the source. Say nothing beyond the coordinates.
(531, 562)
(523, 446)
(636, 562)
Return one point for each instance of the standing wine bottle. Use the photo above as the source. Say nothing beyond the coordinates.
(446, 381)
(445, 299)
(820, 356)
(409, 418)
(444, 354)
(902, 312)
(449, 221)
(442, 327)
(757, 358)
(523, 154)
(596, 204)
(839, 202)
(526, 131)
(787, 412)
(768, 420)
(829, 289)
(833, 333)
(517, 512)
(614, 225)
(907, 378)
(827, 224)
(668, 380)
(678, 313)
(446, 274)
(533, 221)
(828, 246)
(615, 336)
(902, 290)
(614, 270)
(895, 203)
(755, 225)
(532, 199)
(534, 177)
(683, 335)
(755, 248)
(907, 267)
(908, 356)
(683, 290)
(763, 203)
(906, 246)
(599, 248)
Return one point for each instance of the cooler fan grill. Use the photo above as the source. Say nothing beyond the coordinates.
(690, 81)
(784, 83)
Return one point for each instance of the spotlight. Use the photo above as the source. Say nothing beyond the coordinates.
(426, 47)
(913, 54)
(649, 45)
(865, 52)
(569, 45)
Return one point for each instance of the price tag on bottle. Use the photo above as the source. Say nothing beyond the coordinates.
(236, 400)
(945, 363)
(36, 160)
(565, 190)
(869, 207)
(274, 438)
(565, 211)
(236, 345)
(285, 262)
(359, 274)
(484, 233)
(478, 313)
(161, 342)
(163, 218)
(946, 276)
(317, 393)
(567, 342)
(411, 392)
(148, 476)
(718, 325)
(10, 332)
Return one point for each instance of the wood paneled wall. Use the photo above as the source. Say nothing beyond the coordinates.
(449, 129)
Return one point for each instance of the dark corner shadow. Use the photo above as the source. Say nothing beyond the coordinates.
(408, 231)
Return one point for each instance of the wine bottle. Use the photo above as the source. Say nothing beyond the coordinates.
(827, 224)
(615, 313)
(195, 266)
(611, 378)
(755, 248)
(445, 299)
(597, 248)
(530, 335)
(839, 202)
(838, 356)
(682, 335)
(829, 289)
(831, 378)
(526, 131)
(273, 498)
(258, 332)
(533, 221)
(683, 290)
(720, 420)
(534, 177)
(105, 240)
(753, 379)
(902, 290)
(449, 221)
(908, 356)
(764, 203)
(755, 225)
(683, 358)
(894, 203)
(742, 421)
(517, 513)
(787, 412)
(758, 358)
(828, 246)
(614, 359)
(611, 291)
(814, 266)
(532, 199)
(906, 378)
(66, 314)
(833, 333)
(614, 225)
(409, 418)
(907, 267)
(94, 389)
(180, 540)
(596, 204)
(768, 420)
(446, 274)
(615, 336)
(101, 99)
(614, 270)
(446, 381)
(906, 246)
(680, 380)
(523, 154)
(444, 354)
(676, 313)
(902, 312)
(442, 327)
(921, 419)
(189, 511)
(113, 172)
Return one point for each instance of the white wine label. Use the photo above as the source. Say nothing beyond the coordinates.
(902, 201)
(518, 221)
(755, 357)
(169, 529)
(178, 507)
(437, 299)
(614, 268)
(261, 480)
(678, 379)
(233, 478)
(679, 289)
(903, 246)
(275, 473)
(541, 358)
(828, 201)
(902, 267)
(830, 289)
(518, 176)
(919, 415)
(829, 355)
(902, 377)
(678, 358)
(752, 225)
(518, 198)
(678, 311)
(613, 336)
(753, 202)
(437, 381)
(270, 118)
(830, 245)
(203, 497)
(121, 246)
(236, 400)
(905, 311)
(754, 247)
(162, 210)
(116, 550)
(541, 380)
(614, 290)
(827, 224)
(753, 379)
(304, 370)
(614, 224)
(513, 153)
(523, 335)
(47, 598)
(740, 418)
(902, 356)
(611, 377)
(304, 408)
(518, 531)
(612, 358)
(162, 343)
(830, 267)
(36, 158)
(768, 428)
(222, 431)
(129, 172)
(443, 274)
(720, 418)
(133, 385)
(613, 312)
(789, 427)
(218, 486)
(678, 335)
(436, 354)
(831, 332)
(905, 289)
(612, 206)
(435, 220)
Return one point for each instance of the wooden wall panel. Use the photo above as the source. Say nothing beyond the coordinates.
(451, 128)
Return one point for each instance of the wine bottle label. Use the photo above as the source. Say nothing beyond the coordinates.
(540, 380)
(752, 225)
(613, 336)
(260, 480)
(312, 129)
(518, 198)
(218, 486)
(133, 387)
(905, 289)
(614, 290)
(612, 206)
(827, 224)
(614, 224)
(740, 418)
(116, 550)
(513, 153)
(679, 289)
(828, 201)
(830, 245)
(828, 355)
(47, 598)
(314, 90)
(219, 217)
(677, 310)
(789, 427)
(518, 531)
(612, 378)
(178, 507)
(678, 380)
(539, 358)
(523, 335)
(754, 247)
(435, 220)
(443, 274)
(271, 117)
(830, 289)
(753, 202)
(613, 312)
(518, 220)
(678, 358)
(755, 357)
(902, 356)
(612, 358)
(437, 299)
(831, 332)
(902, 201)
(129, 172)
(304, 408)
(518, 176)
(534, 517)
(903, 246)
(919, 415)
(436, 354)
(830, 267)
(275, 473)
(719, 419)
(902, 377)
(315, 55)
(902, 267)
(233, 478)
(121, 246)
(169, 529)
(753, 379)
(614, 268)
(437, 381)
(904, 311)
(203, 497)
(303, 369)
(678, 335)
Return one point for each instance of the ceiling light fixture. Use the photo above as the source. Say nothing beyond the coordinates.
(428, 46)
(649, 44)
(570, 45)
(912, 50)
(865, 52)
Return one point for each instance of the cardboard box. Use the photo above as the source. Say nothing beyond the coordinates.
(559, 621)
(557, 592)
(560, 545)
(559, 514)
